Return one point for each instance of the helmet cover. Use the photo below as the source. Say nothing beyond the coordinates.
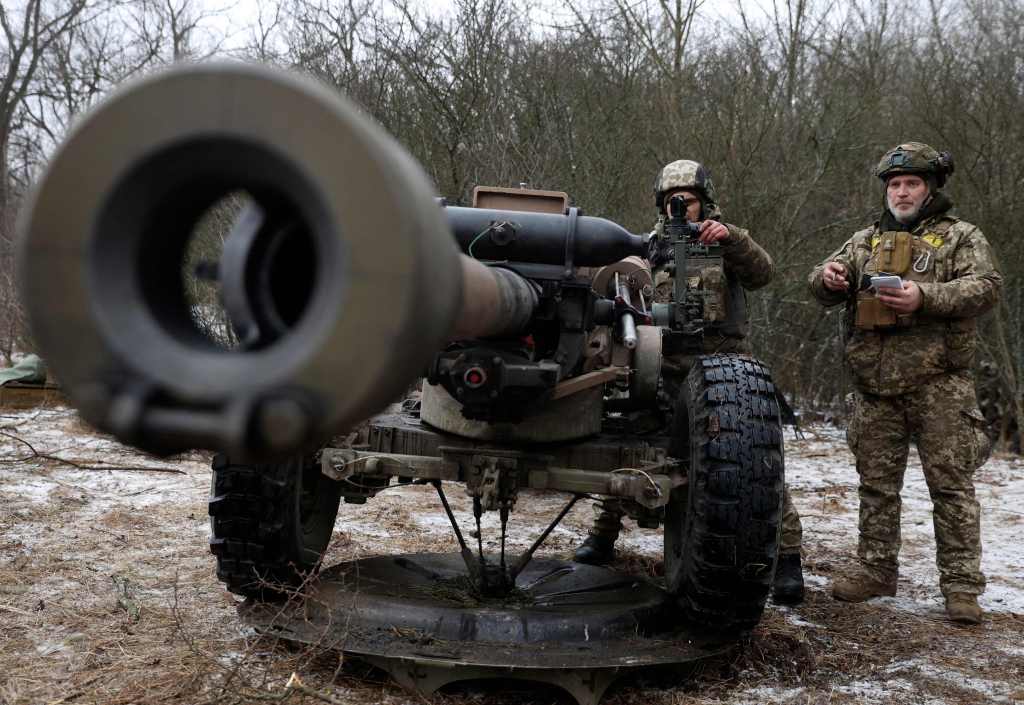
(915, 158)
(684, 174)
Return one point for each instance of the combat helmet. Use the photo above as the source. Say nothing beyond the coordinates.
(684, 174)
(916, 158)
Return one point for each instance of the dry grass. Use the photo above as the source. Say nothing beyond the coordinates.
(108, 595)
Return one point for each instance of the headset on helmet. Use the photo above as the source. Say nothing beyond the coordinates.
(915, 158)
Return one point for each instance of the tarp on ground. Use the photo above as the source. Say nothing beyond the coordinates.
(29, 370)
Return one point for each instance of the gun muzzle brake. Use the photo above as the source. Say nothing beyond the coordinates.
(340, 278)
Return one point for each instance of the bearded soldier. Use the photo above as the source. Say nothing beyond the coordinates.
(746, 266)
(910, 349)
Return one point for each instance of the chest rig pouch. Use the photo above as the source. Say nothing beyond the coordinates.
(707, 281)
(891, 253)
(707, 284)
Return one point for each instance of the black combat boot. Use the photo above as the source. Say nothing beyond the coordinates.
(596, 550)
(788, 588)
(599, 548)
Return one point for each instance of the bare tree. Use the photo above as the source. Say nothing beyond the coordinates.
(789, 108)
(325, 38)
(28, 34)
(82, 65)
(263, 44)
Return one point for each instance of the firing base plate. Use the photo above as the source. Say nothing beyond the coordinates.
(417, 617)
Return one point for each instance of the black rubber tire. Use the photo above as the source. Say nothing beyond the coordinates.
(270, 523)
(722, 528)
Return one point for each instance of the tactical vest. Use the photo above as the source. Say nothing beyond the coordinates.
(896, 356)
(914, 257)
(725, 302)
(724, 305)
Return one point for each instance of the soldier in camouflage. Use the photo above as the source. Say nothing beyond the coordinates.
(747, 267)
(910, 351)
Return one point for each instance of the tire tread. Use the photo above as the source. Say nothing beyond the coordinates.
(735, 508)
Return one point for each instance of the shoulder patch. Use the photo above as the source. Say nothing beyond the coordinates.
(868, 237)
(933, 239)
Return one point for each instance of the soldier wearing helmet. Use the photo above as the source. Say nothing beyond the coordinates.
(746, 267)
(910, 349)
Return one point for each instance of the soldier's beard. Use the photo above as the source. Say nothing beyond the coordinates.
(904, 216)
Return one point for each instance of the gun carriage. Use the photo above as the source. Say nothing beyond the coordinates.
(345, 280)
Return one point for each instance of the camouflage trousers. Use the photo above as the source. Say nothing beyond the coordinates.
(792, 531)
(943, 420)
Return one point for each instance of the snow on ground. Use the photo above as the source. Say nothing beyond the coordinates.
(822, 478)
(108, 592)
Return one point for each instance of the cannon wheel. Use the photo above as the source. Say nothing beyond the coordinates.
(270, 523)
(722, 528)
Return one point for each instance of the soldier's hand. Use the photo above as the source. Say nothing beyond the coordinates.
(834, 277)
(905, 300)
(712, 231)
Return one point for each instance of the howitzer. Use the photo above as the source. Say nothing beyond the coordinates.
(345, 280)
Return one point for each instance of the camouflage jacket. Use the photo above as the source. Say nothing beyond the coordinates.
(955, 269)
(747, 267)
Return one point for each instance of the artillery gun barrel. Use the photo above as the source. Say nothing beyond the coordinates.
(346, 265)
(495, 302)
